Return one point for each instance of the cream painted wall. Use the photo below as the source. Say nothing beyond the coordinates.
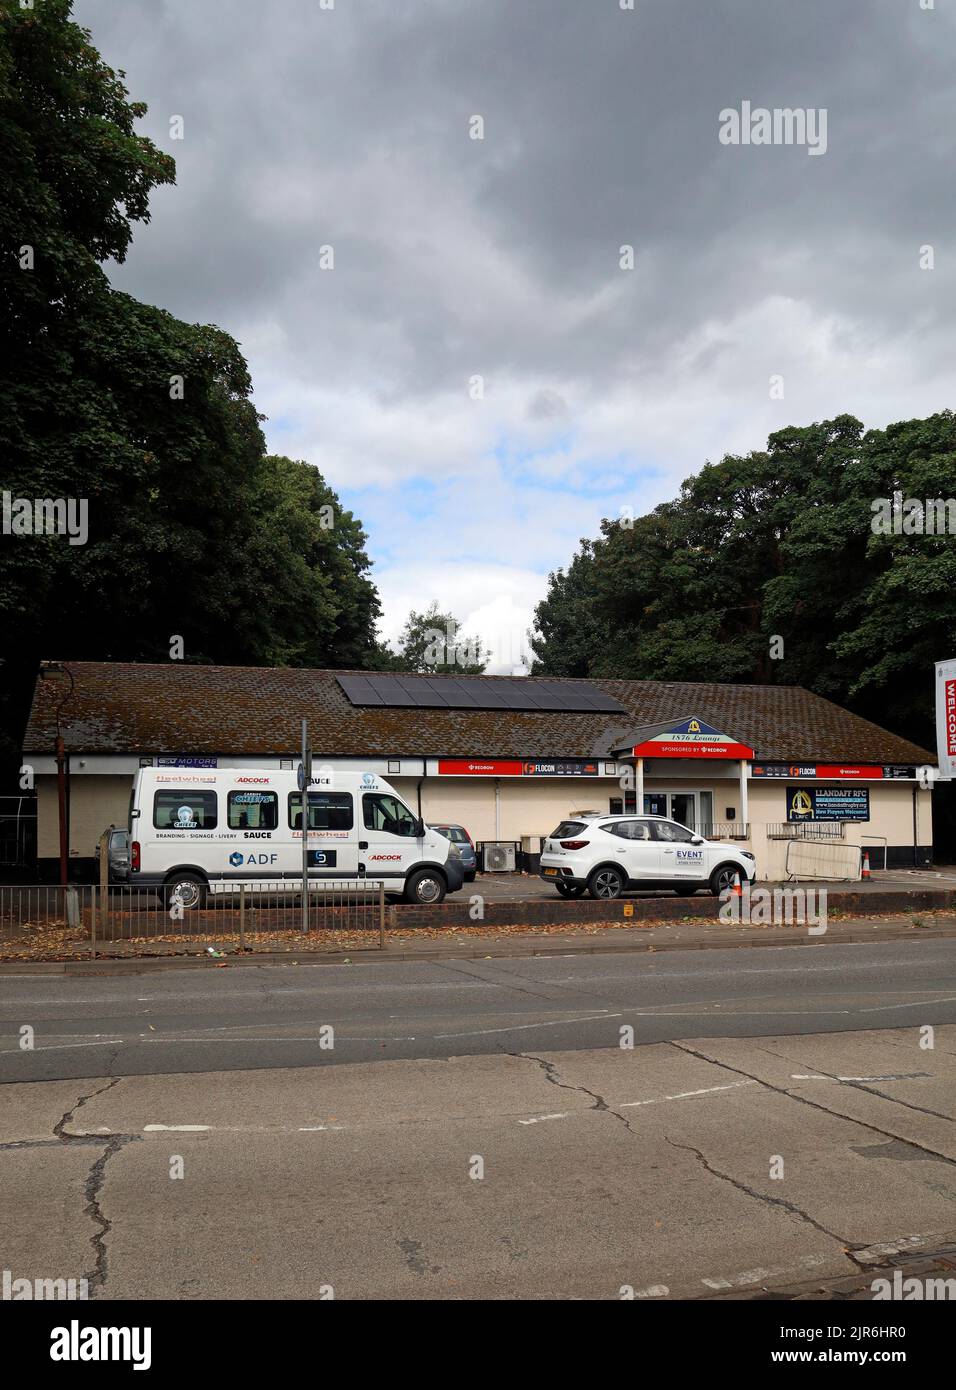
(95, 802)
(527, 807)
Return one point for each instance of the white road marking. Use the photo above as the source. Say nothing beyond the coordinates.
(522, 1027)
(916, 1004)
(890, 1247)
(653, 1291)
(685, 1095)
(536, 1119)
(236, 1129)
(757, 1276)
(61, 1047)
(179, 1129)
(902, 1076)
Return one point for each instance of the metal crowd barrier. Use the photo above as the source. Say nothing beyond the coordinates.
(120, 914)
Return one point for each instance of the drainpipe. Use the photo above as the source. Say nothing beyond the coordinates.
(60, 751)
(497, 808)
(915, 831)
(639, 788)
(418, 789)
(744, 804)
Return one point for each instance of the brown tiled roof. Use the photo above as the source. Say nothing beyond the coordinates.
(254, 710)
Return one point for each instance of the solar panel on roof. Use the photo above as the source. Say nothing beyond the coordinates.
(358, 690)
(516, 693)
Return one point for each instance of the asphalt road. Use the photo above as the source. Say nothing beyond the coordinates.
(249, 1018)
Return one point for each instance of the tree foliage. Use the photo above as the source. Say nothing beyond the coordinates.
(767, 568)
(432, 643)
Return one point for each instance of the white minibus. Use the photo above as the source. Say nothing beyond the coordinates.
(198, 831)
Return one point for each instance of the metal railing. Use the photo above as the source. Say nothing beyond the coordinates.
(807, 830)
(725, 830)
(246, 917)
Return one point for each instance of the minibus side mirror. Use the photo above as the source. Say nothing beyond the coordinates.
(419, 829)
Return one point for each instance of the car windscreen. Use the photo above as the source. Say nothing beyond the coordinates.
(567, 827)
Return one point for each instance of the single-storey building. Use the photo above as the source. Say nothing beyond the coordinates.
(507, 757)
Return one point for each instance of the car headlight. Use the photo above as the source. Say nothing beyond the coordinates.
(747, 855)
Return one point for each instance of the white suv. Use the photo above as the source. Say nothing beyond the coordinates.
(607, 854)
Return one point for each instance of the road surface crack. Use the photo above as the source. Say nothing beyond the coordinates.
(93, 1187)
(551, 1074)
(815, 1104)
(867, 1087)
(791, 1207)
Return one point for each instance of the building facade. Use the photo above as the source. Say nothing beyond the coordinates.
(507, 757)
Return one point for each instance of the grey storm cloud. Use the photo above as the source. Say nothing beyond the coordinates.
(306, 126)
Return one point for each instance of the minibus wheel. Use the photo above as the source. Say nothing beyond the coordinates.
(425, 887)
(189, 887)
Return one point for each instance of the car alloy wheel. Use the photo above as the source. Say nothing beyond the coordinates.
(606, 883)
(723, 879)
(569, 890)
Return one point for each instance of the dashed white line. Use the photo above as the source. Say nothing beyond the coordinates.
(536, 1119)
(685, 1095)
(522, 1027)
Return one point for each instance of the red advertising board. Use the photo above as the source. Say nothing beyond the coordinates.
(853, 770)
(694, 749)
(475, 767)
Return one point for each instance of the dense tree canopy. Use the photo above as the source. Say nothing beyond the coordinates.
(193, 532)
(767, 568)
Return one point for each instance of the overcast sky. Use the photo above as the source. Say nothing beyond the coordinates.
(499, 258)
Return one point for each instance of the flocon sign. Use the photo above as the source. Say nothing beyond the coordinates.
(946, 717)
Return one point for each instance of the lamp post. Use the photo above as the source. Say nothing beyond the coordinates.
(55, 668)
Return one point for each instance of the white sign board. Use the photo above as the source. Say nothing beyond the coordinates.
(946, 717)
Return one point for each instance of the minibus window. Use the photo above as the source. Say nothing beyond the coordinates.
(327, 810)
(252, 810)
(184, 810)
(387, 813)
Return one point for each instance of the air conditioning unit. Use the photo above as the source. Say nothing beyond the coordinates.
(499, 858)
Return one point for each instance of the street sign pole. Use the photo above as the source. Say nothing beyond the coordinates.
(305, 779)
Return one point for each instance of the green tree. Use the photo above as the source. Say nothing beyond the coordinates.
(431, 643)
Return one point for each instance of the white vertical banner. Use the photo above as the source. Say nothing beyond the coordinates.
(946, 717)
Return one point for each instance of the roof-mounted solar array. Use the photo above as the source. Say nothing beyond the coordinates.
(474, 692)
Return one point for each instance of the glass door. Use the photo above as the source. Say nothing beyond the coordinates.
(684, 808)
(679, 806)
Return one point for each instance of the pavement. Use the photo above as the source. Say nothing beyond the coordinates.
(705, 1167)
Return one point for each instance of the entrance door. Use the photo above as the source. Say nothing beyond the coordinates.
(679, 806)
(684, 808)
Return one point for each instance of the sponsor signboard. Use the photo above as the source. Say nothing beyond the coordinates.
(946, 717)
(512, 767)
(692, 739)
(844, 771)
(828, 803)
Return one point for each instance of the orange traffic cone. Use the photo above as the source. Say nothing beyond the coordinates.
(737, 890)
(866, 864)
